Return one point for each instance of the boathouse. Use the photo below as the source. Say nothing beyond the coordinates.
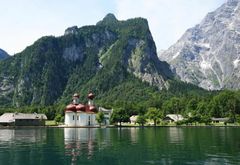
(220, 120)
(22, 119)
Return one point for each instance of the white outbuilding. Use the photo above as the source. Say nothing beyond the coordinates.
(173, 118)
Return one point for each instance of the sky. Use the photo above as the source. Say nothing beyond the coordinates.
(22, 22)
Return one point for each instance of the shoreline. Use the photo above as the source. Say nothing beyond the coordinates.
(113, 126)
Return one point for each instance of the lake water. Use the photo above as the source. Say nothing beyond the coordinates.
(125, 146)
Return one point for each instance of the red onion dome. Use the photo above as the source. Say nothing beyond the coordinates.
(76, 95)
(80, 107)
(71, 107)
(92, 108)
(91, 96)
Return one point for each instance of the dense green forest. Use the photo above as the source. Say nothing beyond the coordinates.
(117, 61)
(181, 98)
(194, 104)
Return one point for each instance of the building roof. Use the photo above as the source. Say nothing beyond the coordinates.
(81, 108)
(175, 117)
(76, 95)
(220, 119)
(71, 107)
(11, 117)
(133, 118)
(91, 96)
(104, 110)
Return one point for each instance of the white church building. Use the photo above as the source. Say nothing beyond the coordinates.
(80, 115)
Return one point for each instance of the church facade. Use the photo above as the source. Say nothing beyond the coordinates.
(77, 114)
(80, 115)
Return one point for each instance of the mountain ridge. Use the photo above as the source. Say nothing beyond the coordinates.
(208, 54)
(96, 58)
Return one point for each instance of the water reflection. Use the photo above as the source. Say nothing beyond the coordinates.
(134, 134)
(23, 135)
(17, 144)
(175, 135)
(142, 146)
(78, 141)
(81, 142)
(79, 134)
(215, 159)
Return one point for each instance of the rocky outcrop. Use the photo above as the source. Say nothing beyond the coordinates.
(3, 54)
(143, 63)
(71, 30)
(208, 54)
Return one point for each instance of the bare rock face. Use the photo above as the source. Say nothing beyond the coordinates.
(6, 88)
(73, 53)
(93, 39)
(3, 54)
(71, 30)
(208, 55)
(143, 63)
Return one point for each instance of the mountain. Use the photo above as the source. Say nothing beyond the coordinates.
(208, 54)
(3, 54)
(116, 58)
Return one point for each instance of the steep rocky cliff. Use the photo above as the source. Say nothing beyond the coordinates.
(208, 54)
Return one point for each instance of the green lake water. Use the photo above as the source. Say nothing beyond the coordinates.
(125, 146)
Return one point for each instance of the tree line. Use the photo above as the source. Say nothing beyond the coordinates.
(156, 106)
(195, 109)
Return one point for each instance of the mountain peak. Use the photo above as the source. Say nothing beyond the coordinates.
(208, 54)
(108, 19)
